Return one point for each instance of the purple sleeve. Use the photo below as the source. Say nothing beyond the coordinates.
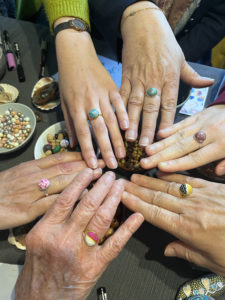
(221, 98)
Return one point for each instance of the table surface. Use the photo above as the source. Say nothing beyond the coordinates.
(141, 271)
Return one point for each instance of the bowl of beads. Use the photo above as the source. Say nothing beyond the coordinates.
(131, 163)
(17, 125)
(53, 140)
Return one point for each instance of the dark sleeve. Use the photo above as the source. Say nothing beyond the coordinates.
(105, 15)
(205, 34)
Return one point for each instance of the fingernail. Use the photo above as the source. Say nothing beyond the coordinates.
(144, 141)
(164, 130)
(93, 163)
(71, 141)
(170, 252)
(145, 161)
(220, 171)
(131, 135)
(109, 176)
(124, 124)
(112, 163)
(120, 152)
(152, 147)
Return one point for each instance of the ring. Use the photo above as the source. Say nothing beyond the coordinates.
(90, 238)
(43, 185)
(151, 92)
(185, 189)
(94, 114)
(200, 136)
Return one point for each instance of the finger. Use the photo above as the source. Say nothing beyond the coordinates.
(125, 89)
(165, 132)
(64, 204)
(69, 123)
(194, 182)
(181, 250)
(120, 108)
(150, 115)
(85, 140)
(179, 148)
(177, 137)
(169, 103)
(113, 245)
(101, 133)
(101, 221)
(90, 203)
(58, 158)
(191, 77)
(133, 197)
(193, 160)
(135, 104)
(59, 183)
(220, 168)
(155, 184)
(114, 131)
(157, 216)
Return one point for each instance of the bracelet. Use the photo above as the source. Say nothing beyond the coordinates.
(132, 13)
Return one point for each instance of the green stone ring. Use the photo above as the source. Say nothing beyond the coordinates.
(151, 92)
(94, 114)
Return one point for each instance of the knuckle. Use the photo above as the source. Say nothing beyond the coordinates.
(153, 213)
(150, 108)
(110, 118)
(99, 127)
(89, 204)
(169, 105)
(157, 196)
(83, 131)
(136, 101)
(102, 219)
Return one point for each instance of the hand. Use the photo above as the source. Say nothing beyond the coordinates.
(198, 221)
(21, 201)
(151, 57)
(179, 150)
(84, 85)
(59, 264)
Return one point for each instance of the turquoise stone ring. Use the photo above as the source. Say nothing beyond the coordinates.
(151, 92)
(94, 114)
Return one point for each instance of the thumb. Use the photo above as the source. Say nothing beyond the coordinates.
(191, 77)
(220, 168)
(181, 250)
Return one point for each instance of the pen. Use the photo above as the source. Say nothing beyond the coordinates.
(9, 52)
(43, 58)
(20, 71)
(2, 58)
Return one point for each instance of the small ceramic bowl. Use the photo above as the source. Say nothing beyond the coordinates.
(42, 140)
(27, 113)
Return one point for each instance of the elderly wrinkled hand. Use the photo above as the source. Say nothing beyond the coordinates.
(21, 200)
(60, 263)
(197, 220)
(151, 58)
(181, 149)
(88, 93)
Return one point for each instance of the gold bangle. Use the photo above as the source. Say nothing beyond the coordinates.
(132, 13)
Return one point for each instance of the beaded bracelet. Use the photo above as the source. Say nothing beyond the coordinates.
(132, 13)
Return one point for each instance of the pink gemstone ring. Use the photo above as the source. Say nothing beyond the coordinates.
(90, 238)
(43, 185)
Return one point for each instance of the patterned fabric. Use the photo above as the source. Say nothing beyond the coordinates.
(209, 285)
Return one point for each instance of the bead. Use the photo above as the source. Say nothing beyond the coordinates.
(47, 147)
(185, 189)
(56, 149)
(151, 92)
(200, 136)
(91, 238)
(93, 113)
(64, 143)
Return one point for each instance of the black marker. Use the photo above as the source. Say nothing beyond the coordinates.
(9, 52)
(43, 58)
(20, 71)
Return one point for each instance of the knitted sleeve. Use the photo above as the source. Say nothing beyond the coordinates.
(66, 8)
